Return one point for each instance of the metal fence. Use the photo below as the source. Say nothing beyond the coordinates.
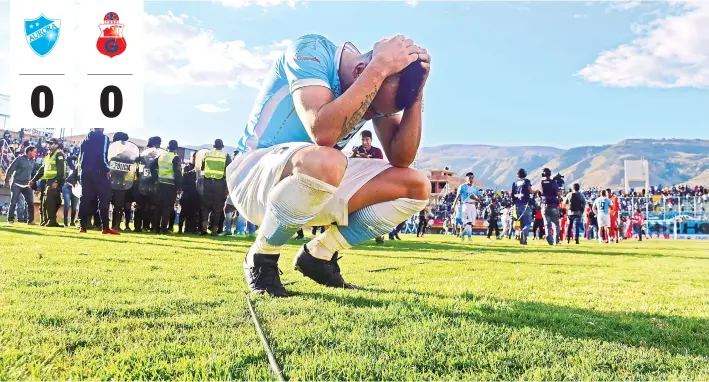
(660, 207)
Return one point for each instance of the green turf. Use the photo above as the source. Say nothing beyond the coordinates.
(144, 307)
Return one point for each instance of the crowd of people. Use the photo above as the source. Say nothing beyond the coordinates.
(559, 214)
(134, 198)
(672, 198)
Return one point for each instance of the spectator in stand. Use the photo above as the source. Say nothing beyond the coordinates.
(18, 179)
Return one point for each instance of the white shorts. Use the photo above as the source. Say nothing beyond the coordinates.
(251, 177)
(604, 220)
(470, 214)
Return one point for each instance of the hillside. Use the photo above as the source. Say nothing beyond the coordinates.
(671, 161)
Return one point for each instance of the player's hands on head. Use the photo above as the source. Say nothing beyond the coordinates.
(394, 54)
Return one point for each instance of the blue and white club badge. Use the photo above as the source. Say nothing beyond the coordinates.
(42, 34)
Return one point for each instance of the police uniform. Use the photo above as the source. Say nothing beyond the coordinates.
(95, 179)
(189, 202)
(145, 192)
(123, 155)
(169, 181)
(53, 174)
(214, 171)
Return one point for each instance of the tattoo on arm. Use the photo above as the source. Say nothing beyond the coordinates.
(351, 121)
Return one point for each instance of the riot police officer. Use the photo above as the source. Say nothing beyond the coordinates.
(95, 180)
(122, 157)
(214, 171)
(190, 201)
(167, 172)
(53, 174)
(146, 195)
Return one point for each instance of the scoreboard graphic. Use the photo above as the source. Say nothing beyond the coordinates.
(76, 64)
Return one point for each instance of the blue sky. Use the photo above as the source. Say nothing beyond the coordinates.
(505, 73)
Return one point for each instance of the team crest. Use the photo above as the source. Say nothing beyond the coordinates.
(111, 42)
(42, 34)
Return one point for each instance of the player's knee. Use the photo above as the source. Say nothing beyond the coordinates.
(323, 163)
(419, 186)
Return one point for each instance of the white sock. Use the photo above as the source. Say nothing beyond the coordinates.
(365, 224)
(294, 201)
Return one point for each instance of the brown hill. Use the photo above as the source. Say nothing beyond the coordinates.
(671, 161)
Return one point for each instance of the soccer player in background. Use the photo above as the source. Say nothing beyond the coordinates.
(601, 206)
(458, 214)
(614, 213)
(290, 171)
(467, 195)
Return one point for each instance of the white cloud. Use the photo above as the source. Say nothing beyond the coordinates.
(260, 3)
(412, 3)
(208, 108)
(222, 102)
(671, 51)
(580, 16)
(623, 5)
(178, 53)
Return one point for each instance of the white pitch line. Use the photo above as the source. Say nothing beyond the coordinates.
(271, 358)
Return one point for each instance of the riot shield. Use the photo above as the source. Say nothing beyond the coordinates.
(76, 190)
(146, 185)
(199, 158)
(122, 157)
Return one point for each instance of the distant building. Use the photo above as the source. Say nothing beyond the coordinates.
(444, 181)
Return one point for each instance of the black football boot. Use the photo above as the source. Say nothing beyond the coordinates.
(265, 277)
(321, 271)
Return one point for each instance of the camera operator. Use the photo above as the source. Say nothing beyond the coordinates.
(551, 194)
(366, 150)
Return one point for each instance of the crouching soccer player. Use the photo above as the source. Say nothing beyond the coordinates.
(290, 171)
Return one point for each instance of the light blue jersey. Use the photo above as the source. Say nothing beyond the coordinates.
(465, 191)
(311, 60)
(602, 204)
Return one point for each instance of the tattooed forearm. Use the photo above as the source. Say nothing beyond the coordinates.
(352, 120)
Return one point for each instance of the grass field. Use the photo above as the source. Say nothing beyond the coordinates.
(144, 307)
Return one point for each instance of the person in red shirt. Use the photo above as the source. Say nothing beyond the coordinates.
(639, 224)
(366, 150)
(587, 222)
(614, 211)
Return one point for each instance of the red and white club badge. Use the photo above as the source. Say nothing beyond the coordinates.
(111, 42)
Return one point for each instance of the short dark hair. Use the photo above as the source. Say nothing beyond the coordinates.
(366, 134)
(604, 193)
(521, 173)
(410, 82)
(546, 172)
(29, 149)
(470, 173)
(577, 187)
